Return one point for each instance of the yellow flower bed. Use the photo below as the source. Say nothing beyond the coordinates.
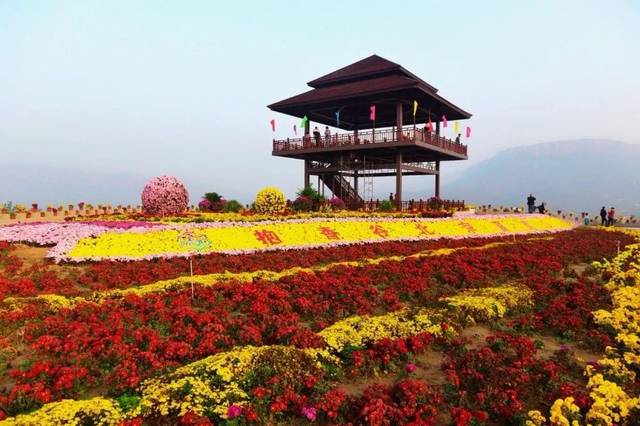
(491, 302)
(564, 412)
(214, 380)
(612, 404)
(97, 411)
(293, 235)
(358, 331)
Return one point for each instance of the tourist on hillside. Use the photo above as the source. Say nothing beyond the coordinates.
(603, 216)
(587, 220)
(327, 134)
(531, 203)
(316, 135)
(542, 209)
(612, 216)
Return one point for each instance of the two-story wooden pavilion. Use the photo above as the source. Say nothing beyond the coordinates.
(394, 144)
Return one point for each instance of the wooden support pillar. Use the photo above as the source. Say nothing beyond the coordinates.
(399, 181)
(399, 121)
(355, 180)
(438, 128)
(307, 127)
(307, 181)
(437, 178)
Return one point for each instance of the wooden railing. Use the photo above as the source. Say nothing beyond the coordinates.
(408, 134)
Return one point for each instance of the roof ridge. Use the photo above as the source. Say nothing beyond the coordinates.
(369, 66)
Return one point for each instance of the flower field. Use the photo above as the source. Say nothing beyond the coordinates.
(89, 241)
(328, 319)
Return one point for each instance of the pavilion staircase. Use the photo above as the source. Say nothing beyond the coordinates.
(342, 188)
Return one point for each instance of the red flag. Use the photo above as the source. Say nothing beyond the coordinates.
(444, 120)
(372, 114)
(295, 130)
(468, 132)
(430, 125)
(273, 125)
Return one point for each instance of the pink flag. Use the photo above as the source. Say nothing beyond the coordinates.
(372, 114)
(444, 120)
(273, 124)
(295, 130)
(468, 132)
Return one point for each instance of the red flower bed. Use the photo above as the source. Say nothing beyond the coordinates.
(44, 278)
(499, 379)
(120, 342)
(108, 274)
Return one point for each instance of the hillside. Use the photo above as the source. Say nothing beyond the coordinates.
(577, 175)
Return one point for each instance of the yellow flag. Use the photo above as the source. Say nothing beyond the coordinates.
(455, 127)
(415, 108)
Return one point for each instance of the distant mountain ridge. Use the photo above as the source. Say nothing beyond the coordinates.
(575, 175)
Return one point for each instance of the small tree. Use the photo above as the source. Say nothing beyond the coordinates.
(309, 192)
(386, 206)
(233, 206)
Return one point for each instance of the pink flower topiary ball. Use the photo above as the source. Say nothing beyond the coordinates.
(164, 195)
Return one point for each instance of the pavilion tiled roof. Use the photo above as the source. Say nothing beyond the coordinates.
(348, 90)
(374, 65)
(372, 79)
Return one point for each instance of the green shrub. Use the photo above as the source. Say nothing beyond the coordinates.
(386, 206)
(213, 197)
(311, 193)
(232, 206)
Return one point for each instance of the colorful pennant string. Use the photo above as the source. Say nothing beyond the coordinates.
(273, 124)
(444, 120)
(372, 113)
(468, 132)
(415, 108)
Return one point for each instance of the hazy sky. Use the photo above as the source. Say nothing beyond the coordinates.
(181, 87)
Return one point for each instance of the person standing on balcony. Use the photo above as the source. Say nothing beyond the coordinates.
(531, 203)
(327, 135)
(458, 138)
(316, 135)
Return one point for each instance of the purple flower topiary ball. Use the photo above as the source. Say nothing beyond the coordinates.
(164, 195)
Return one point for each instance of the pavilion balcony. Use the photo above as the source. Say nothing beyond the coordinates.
(389, 137)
